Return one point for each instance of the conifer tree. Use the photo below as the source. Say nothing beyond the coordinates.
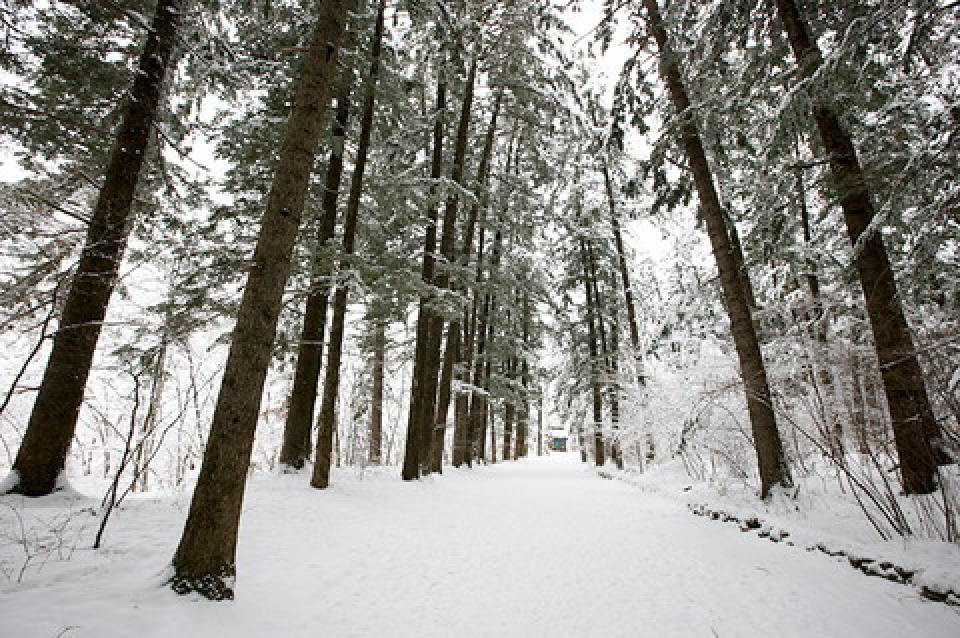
(205, 560)
(915, 428)
(43, 452)
(770, 455)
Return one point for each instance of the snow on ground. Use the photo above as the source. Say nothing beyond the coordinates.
(541, 547)
(821, 510)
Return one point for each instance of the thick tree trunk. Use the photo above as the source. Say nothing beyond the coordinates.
(916, 432)
(303, 396)
(770, 457)
(376, 399)
(740, 260)
(464, 438)
(415, 451)
(327, 418)
(205, 561)
(43, 451)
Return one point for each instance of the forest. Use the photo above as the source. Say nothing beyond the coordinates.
(701, 245)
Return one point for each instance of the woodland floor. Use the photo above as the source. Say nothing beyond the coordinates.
(541, 547)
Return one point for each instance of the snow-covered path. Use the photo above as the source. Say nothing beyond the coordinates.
(541, 547)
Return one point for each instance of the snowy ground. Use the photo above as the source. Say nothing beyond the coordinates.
(541, 547)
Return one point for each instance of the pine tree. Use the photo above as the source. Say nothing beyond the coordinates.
(331, 382)
(770, 456)
(915, 428)
(205, 560)
(43, 452)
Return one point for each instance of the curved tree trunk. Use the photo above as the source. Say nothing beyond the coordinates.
(43, 452)
(770, 457)
(205, 560)
(303, 395)
(915, 429)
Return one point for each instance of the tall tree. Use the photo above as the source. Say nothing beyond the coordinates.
(770, 456)
(43, 452)
(624, 271)
(415, 451)
(465, 343)
(331, 381)
(205, 560)
(303, 395)
(915, 428)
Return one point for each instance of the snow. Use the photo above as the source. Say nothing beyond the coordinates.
(10, 481)
(541, 547)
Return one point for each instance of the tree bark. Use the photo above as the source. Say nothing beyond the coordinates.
(303, 396)
(523, 421)
(509, 412)
(916, 432)
(770, 456)
(43, 451)
(205, 560)
(327, 418)
(376, 399)
(415, 451)
(481, 370)
(439, 399)
(465, 439)
(540, 426)
(593, 348)
(464, 343)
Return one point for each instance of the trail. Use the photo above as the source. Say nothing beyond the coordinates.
(541, 547)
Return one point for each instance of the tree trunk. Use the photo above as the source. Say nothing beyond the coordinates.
(43, 451)
(327, 419)
(624, 277)
(415, 450)
(770, 457)
(464, 438)
(614, 365)
(205, 561)
(916, 432)
(303, 396)
(437, 433)
(509, 411)
(523, 422)
(464, 349)
(593, 348)
(540, 426)
(376, 400)
(481, 370)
